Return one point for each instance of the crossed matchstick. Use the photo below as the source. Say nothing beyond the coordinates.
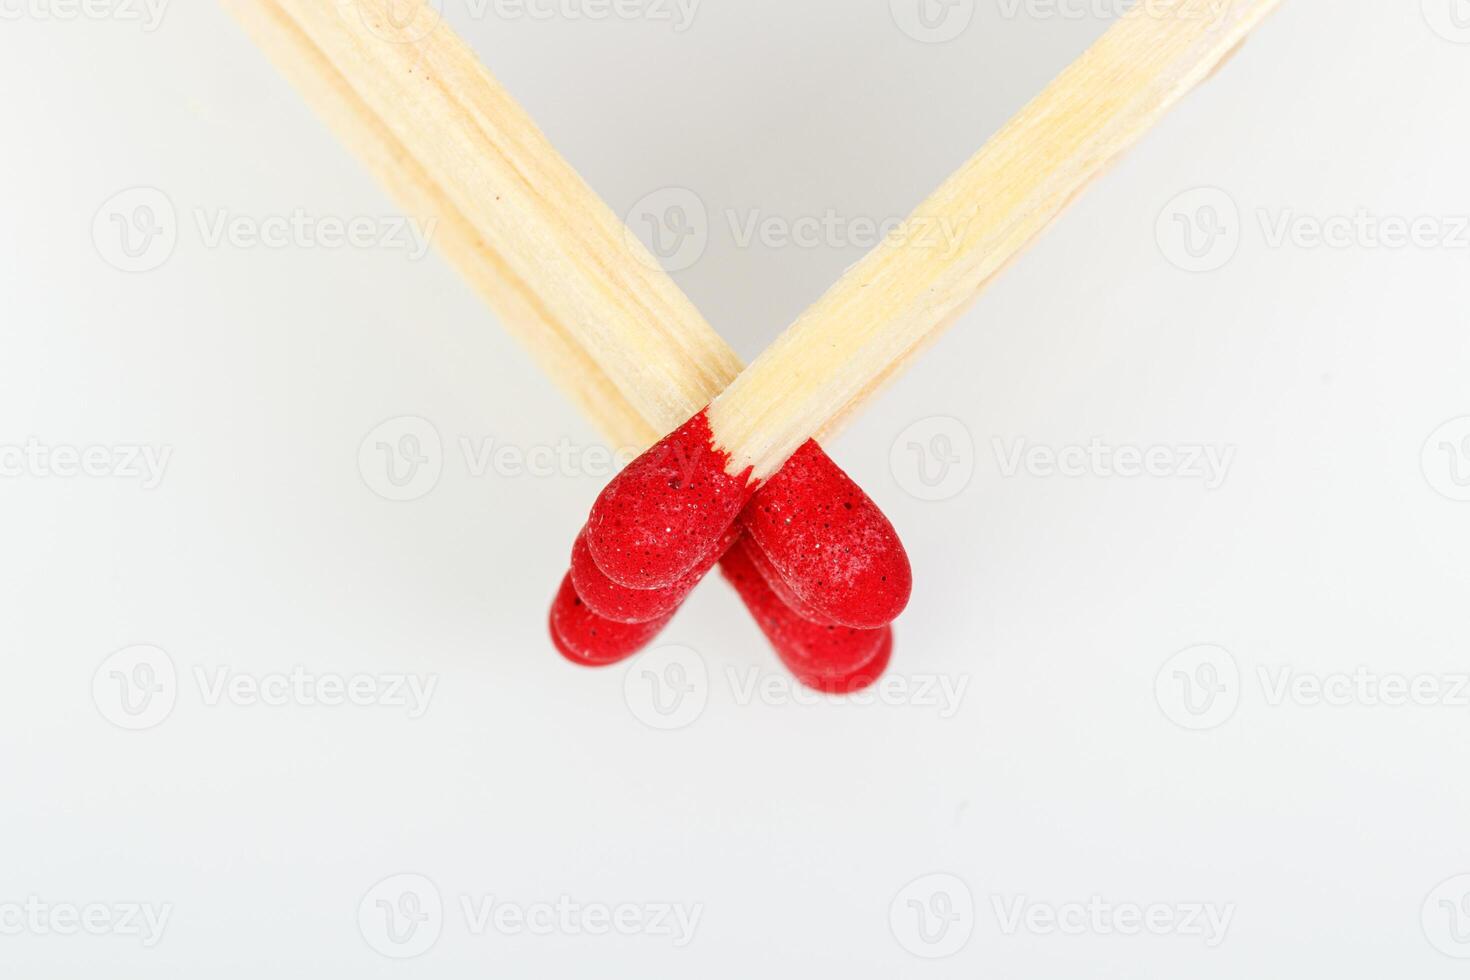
(605, 322)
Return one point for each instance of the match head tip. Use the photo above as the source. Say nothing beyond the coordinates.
(587, 639)
(621, 604)
(830, 658)
(666, 513)
(832, 545)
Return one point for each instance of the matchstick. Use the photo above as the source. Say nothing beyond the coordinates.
(896, 300)
(457, 134)
(566, 276)
(903, 292)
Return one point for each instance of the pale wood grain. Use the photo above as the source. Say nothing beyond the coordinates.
(565, 273)
(894, 301)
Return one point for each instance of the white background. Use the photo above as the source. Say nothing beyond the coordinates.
(1069, 769)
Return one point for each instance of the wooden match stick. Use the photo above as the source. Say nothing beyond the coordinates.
(586, 296)
(664, 513)
(897, 298)
(535, 248)
(555, 348)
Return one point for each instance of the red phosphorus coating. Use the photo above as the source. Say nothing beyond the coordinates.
(778, 585)
(621, 604)
(864, 676)
(587, 639)
(834, 659)
(664, 515)
(829, 542)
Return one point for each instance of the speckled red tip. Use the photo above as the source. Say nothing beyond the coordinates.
(621, 604)
(665, 514)
(833, 659)
(779, 585)
(830, 543)
(587, 639)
